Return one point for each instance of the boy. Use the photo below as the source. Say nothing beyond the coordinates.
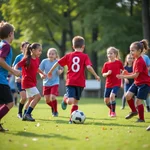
(76, 62)
(6, 100)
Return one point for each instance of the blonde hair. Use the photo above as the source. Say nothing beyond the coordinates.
(115, 51)
(53, 49)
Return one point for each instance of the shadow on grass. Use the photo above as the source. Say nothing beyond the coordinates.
(35, 135)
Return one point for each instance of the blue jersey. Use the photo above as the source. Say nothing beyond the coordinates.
(6, 53)
(147, 61)
(45, 66)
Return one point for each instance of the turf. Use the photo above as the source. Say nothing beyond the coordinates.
(99, 132)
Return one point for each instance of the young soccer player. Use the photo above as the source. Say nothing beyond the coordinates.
(50, 85)
(141, 84)
(128, 65)
(76, 62)
(110, 69)
(22, 92)
(30, 67)
(6, 100)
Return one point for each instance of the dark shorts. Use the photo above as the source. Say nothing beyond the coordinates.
(19, 87)
(74, 91)
(108, 91)
(140, 91)
(47, 90)
(126, 87)
(13, 91)
(5, 94)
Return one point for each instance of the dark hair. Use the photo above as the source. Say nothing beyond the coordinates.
(24, 43)
(5, 29)
(78, 42)
(126, 63)
(141, 45)
(28, 51)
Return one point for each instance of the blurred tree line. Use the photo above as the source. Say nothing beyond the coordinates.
(102, 23)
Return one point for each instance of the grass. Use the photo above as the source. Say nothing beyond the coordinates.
(98, 132)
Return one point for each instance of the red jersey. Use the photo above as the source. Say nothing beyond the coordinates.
(115, 67)
(76, 63)
(29, 73)
(139, 66)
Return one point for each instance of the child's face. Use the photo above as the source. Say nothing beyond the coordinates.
(24, 48)
(37, 52)
(134, 52)
(11, 36)
(130, 59)
(111, 55)
(52, 55)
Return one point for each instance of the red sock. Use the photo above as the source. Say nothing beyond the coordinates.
(141, 111)
(132, 105)
(55, 105)
(74, 107)
(108, 105)
(49, 103)
(3, 111)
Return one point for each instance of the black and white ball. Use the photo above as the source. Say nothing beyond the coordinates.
(78, 117)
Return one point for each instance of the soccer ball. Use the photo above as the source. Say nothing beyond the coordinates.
(78, 117)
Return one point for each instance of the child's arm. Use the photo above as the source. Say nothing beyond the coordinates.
(129, 76)
(60, 70)
(52, 69)
(90, 69)
(42, 74)
(9, 68)
(107, 73)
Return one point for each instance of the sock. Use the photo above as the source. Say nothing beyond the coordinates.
(113, 106)
(141, 111)
(55, 105)
(132, 105)
(108, 105)
(25, 111)
(74, 107)
(49, 103)
(29, 110)
(3, 111)
(20, 108)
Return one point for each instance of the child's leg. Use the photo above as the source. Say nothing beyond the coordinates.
(123, 102)
(27, 104)
(140, 108)
(49, 101)
(74, 106)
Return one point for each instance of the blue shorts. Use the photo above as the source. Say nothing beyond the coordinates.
(126, 87)
(108, 91)
(74, 91)
(19, 87)
(141, 91)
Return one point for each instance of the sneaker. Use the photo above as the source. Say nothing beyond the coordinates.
(140, 120)
(148, 128)
(130, 115)
(113, 114)
(70, 121)
(28, 117)
(122, 108)
(2, 129)
(19, 115)
(55, 114)
(63, 105)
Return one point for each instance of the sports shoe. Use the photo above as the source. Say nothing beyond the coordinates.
(113, 114)
(2, 129)
(55, 114)
(148, 128)
(70, 121)
(28, 117)
(140, 120)
(63, 105)
(122, 108)
(130, 115)
(19, 115)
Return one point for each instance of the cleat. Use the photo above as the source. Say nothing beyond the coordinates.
(140, 120)
(148, 128)
(27, 117)
(70, 122)
(130, 115)
(19, 115)
(113, 114)
(2, 129)
(63, 105)
(55, 114)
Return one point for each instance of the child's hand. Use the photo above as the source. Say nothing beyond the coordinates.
(43, 76)
(125, 72)
(97, 78)
(119, 76)
(59, 71)
(16, 72)
(49, 74)
(109, 72)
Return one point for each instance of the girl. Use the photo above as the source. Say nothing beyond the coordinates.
(110, 70)
(141, 84)
(30, 67)
(50, 85)
(127, 82)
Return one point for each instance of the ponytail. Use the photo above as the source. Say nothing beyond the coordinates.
(145, 44)
(28, 55)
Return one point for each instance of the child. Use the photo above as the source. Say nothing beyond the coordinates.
(110, 70)
(6, 100)
(127, 82)
(141, 84)
(30, 67)
(76, 62)
(147, 61)
(50, 86)
(22, 92)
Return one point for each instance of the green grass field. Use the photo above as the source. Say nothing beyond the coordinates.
(99, 132)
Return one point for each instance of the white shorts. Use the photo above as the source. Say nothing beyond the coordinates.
(31, 92)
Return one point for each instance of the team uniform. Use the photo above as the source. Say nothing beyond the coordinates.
(75, 81)
(50, 85)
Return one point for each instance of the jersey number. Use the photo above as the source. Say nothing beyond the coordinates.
(75, 66)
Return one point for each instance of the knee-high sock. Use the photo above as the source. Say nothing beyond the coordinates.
(20, 108)
(54, 105)
(113, 106)
(49, 103)
(141, 111)
(74, 107)
(3, 111)
(132, 105)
